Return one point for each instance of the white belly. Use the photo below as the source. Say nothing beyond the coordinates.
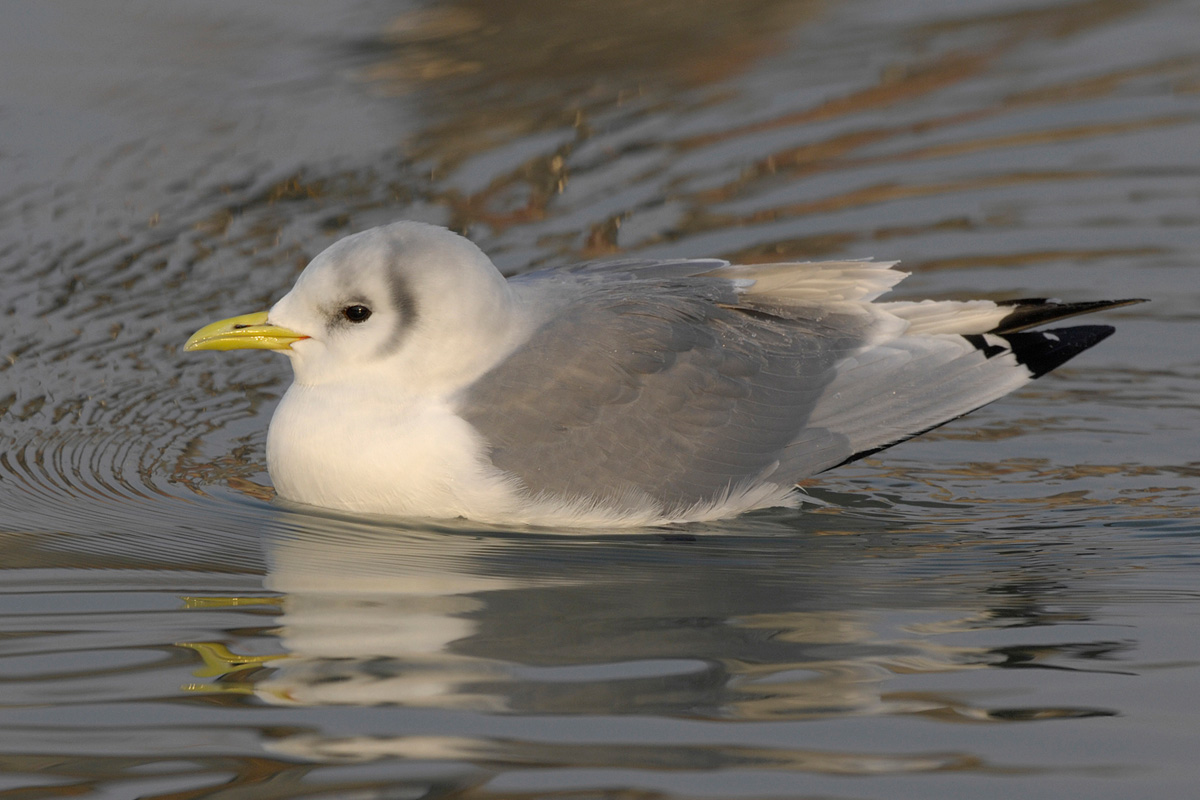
(381, 456)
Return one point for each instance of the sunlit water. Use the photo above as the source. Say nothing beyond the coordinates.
(1006, 607)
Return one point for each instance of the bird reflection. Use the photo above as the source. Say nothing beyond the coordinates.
(775, 623)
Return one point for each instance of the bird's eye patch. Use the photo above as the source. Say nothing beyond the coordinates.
(356, 313)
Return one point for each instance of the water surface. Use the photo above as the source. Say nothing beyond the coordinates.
(1005, 607)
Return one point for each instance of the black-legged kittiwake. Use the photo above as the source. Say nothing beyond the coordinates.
(631, 392)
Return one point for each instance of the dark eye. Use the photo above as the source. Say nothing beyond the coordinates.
(356, 313)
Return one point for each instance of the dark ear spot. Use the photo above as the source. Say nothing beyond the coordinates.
(402, 298)
(405, 306)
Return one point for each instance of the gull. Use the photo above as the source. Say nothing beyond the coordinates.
(627, 393)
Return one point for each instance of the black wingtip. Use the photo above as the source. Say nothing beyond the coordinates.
(1035, 311)
(1042, 351)
(1038, 351)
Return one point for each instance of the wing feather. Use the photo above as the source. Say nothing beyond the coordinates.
(628, 391)
(689, 382)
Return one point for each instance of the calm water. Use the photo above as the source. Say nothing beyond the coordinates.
(1008, 607)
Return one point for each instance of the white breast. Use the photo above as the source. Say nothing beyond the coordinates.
(376, 455)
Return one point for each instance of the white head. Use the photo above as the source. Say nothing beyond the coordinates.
(407, 307)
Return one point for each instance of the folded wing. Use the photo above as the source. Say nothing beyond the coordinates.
(679, 383)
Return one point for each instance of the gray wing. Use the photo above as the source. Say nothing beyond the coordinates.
(663, 387)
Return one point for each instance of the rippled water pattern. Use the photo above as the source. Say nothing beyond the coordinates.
(1006, 607)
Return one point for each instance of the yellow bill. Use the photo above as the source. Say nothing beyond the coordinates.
(247, 332)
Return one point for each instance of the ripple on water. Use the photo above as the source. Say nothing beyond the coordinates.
(1000, 607)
